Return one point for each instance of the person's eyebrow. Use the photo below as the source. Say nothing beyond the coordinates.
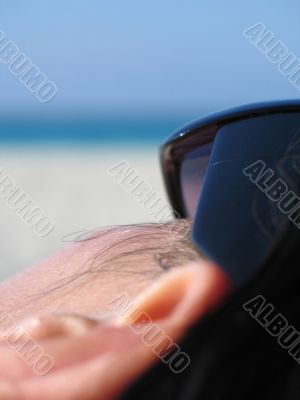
(144, 251)
(165, 246)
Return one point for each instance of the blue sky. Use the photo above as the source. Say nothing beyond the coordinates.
(160, 55)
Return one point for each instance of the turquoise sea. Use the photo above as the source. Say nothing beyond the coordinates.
(85, 131)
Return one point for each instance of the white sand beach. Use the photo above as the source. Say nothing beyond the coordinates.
(75, 190)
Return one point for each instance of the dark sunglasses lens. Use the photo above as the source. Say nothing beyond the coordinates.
(192, 172)
(250, 191)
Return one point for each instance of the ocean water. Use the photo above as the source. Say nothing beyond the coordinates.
(26, 131)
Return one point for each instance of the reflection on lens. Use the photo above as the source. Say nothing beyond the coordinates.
(192, 174)
(239, 216)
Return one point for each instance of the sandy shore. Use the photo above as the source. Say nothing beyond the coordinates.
(75, 190)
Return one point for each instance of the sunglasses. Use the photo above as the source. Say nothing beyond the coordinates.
(236, 175)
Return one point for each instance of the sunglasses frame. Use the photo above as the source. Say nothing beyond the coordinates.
(202, 131)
